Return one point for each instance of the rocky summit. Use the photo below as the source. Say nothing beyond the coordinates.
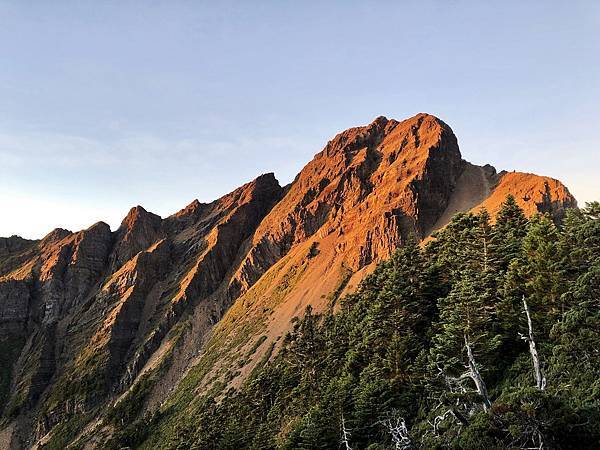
(96, 320)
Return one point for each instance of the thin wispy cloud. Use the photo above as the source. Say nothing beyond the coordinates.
(64, 172)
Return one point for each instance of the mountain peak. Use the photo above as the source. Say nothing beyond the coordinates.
(380, 121)
(99, 227)
(246, 263)
(138, 230)
(137, 214)
(380, 184)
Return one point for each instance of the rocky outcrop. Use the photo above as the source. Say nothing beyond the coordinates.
(373, 187)
(533, 193)
(95, 310)
(14, 306)
(244, 209)
(12, 245)
(137, 232)
(126, 293)
(70, 267)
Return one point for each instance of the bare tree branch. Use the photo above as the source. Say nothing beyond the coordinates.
(345, 435)
(396, 427)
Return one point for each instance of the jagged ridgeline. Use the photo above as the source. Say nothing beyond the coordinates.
(193, 330)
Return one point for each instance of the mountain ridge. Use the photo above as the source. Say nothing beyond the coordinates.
(96, 311)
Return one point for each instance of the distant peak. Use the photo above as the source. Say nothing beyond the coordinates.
(194, 204)
(56, 235)
(266, 179)
(138, 213)
(263, 185)
(193, 208)
(139, 217)
(99, 226)
(381, 120)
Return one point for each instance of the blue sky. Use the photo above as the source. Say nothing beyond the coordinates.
(105, 105)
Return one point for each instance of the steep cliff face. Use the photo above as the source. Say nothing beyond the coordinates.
(102, 320)
(14, 298)
(372, 186)
(137, 232)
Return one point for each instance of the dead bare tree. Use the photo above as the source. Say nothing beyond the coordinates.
(438, 420)
(449, 414)
(540, 379)
(476, 377)
(345, 435)
(396, 427)
(455, 386)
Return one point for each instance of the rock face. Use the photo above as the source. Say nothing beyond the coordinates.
(373, 187)
(137, 232)
(14, 298)
(92, 314)
(70, 268)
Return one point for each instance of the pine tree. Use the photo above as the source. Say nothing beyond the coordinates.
(509, 230)
(465, 244)
(465, 329)
(580, 239)
(542, 271)
(447, 250)
(307, 346)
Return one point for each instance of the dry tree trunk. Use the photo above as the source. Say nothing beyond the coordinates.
(345, 435)
(476, 377)
(540, 379)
